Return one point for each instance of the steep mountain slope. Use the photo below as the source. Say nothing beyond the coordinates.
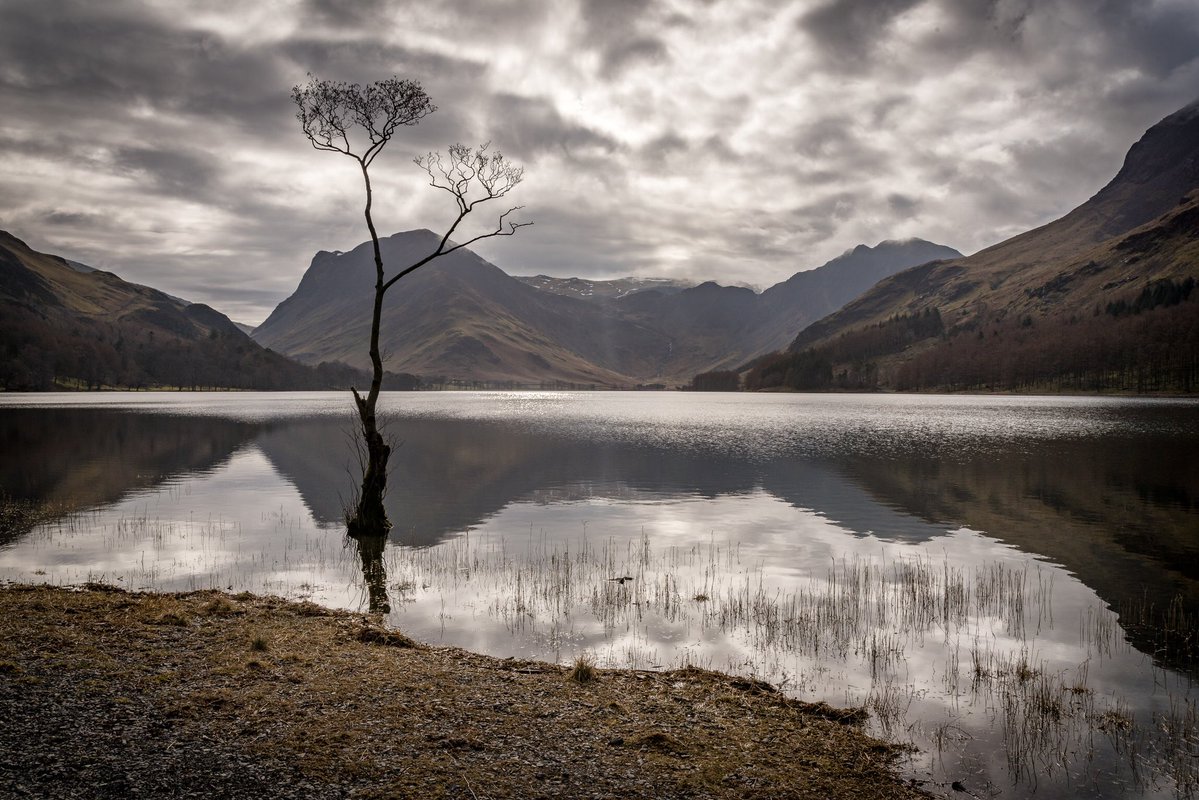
(707, 325)
(808, 296)
(463, 318)
(63, 325)
(460, 317)
(718, 327)
(1046, 303)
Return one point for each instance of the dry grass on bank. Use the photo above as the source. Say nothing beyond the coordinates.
(106, 693)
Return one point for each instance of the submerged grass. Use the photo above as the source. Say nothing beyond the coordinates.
(18, 516)
(927, 645)
(860, 617)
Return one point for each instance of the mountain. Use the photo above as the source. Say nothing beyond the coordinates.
(807, 296)
(1099, 299)
(715, 327)
(66, 325)
(460, 318)
(464, 319)
(586, 289)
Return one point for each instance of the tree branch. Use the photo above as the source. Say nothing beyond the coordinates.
(442, 250)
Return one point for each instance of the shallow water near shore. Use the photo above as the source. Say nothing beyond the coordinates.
(1011, 584)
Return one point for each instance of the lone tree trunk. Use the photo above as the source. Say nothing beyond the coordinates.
(370, 518)
(333, 113)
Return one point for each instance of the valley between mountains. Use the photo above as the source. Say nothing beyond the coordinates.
(1100, 300)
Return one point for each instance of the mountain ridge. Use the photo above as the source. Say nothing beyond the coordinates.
(1036, 292)
(66, 327)
(495, 328)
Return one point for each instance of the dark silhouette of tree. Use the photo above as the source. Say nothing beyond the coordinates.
(358, 121)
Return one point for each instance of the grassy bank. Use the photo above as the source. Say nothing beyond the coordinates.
(107, 693)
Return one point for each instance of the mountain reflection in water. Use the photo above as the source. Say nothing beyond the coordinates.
(740, 516)
(1118, 509)
(1120, 513)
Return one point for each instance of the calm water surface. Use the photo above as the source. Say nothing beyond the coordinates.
(1010, 584)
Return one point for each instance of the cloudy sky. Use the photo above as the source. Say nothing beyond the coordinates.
(736, 140)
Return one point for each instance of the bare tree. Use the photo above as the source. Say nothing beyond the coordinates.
(358, 121)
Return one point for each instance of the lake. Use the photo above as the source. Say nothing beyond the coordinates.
(1010, 584)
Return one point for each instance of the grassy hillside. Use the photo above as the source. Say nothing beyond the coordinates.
(64, 328)
(1099, 300)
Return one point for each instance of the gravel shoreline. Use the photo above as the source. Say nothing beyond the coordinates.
(105, 693)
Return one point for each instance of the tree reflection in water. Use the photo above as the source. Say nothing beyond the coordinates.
(374, 571)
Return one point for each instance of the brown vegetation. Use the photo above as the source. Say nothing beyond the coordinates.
(61, 328)
(1131, 346)
(1099, 300)
(247, 696)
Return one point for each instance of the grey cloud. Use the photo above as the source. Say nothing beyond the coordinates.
(765, 237)
(345, 13)
(667, 151)
(457, 86)
(826, 135)
(527, 127)
(468, 19)
(718, 147)
(1053, 50)
(847, 29)
(843, 147)
(902, 205)
(820, 219)
(887, 110)
(818, 177)
(645, 49)
(614, 28)
(853, 138)
(232, 300)
(1155, 37)
(1163, 38)
(174, 171)
(496, 19)
(611, 19)
(664, 146)
(992, 195)
(965, 28)
(1070, 51)
(73, 219)
(99, 58)
(366, 58)
(551, 246)
(1046, 166)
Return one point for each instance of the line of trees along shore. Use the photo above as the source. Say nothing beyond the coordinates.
(1136, 346)
(89, 354)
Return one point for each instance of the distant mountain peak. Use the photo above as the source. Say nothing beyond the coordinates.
(887, 245)
(465, 318)
(415, 234)
(1186, 113)
(101, 331)
(904, 242)
(5, 235)
(1131, 245)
